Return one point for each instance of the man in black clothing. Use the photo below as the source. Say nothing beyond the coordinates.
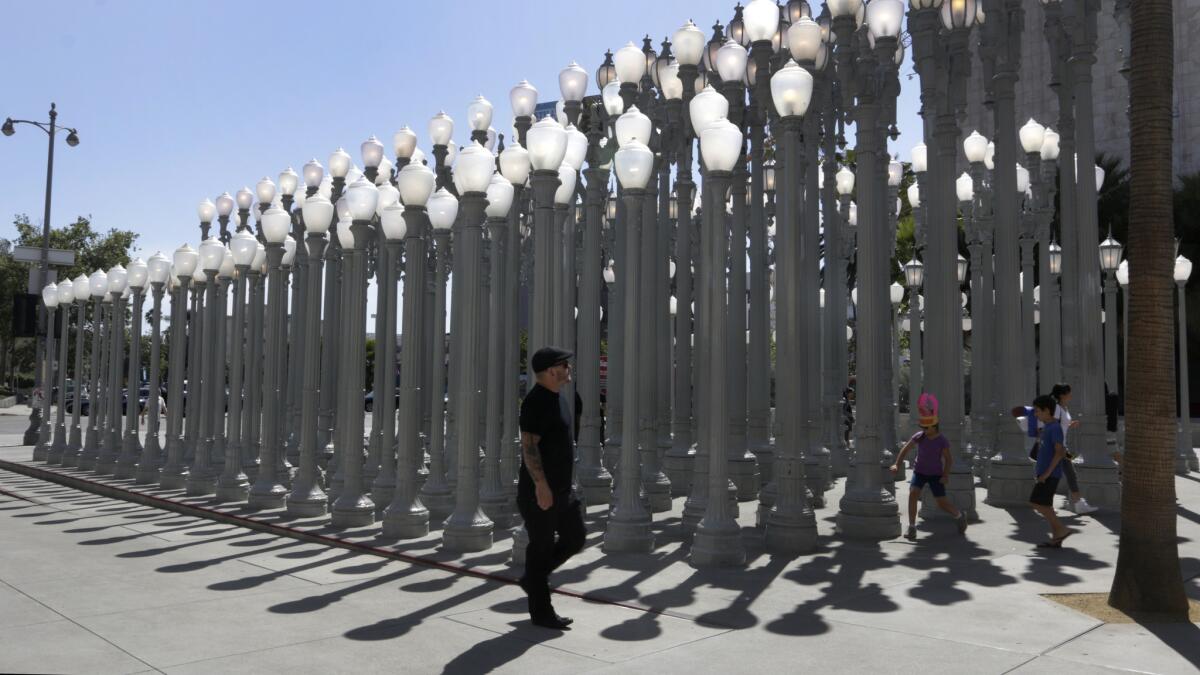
(544, 495)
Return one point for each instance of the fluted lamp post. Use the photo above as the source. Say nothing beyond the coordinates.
(267, 492)
(202, 479)
(158, 272)
(467, 528)
(50, 299)
(629, 523)
(174, 471)
(914, 277)
(66, 294)
(1185, 457)
(352, 507)
(118, 279)
(233, 484)
(83, 294)
(1110, 261)
(494, 494)
(131, 445)
(97, 284)
(406, 517)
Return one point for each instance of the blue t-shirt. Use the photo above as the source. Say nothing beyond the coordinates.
(1051, 434)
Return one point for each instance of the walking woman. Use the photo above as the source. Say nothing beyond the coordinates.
(1061, 393)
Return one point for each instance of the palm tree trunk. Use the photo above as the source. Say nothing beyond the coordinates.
(1147, 578)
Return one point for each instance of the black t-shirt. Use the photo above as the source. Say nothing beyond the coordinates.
(545, 414)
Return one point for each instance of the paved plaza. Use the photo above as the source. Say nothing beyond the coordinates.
(95, 584)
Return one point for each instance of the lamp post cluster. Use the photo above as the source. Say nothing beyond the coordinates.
(686, 284)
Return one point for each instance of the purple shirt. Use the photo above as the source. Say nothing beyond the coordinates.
(929, 453)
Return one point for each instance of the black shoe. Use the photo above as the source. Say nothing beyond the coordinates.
(552, 621)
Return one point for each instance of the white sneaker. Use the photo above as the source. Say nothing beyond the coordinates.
(1082, 507)
(1069, 505)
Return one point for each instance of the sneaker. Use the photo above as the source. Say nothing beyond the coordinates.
(1068, 505)
(911, 534)
(1082, 507)
(962, 522)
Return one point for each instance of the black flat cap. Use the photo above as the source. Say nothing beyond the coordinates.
(547, 357)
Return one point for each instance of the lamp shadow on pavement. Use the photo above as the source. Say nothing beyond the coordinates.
(489, 655)
(388, 629)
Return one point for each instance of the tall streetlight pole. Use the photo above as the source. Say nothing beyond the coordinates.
(1110, 261)
(1185, 454)
(66, 294)
(51, 128)
(98, 283)
(174, 471)
(50, 299)
(131, 444)
(117, 281)
(83, 293)
(233, 484)
(159, 270)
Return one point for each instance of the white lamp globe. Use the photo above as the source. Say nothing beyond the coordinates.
(443, 209)
(791, 90)
(474, 169)
(630, 63)
(211, 252)
(1099, 178)
(318, 215)
(1049, 150)
(499, 196)
(572, 82)
(275, 223)
(884, 17)
(66, 292)
(920, 158)
(610, 96)
(244, 198)
(839, 8)
(139, 273)
(339, 163)
(731, 61)
(207, 211)
(990, 156)
(633, 124)
(416, 183)
(845, 181)
(761, 20)
(388, 195)
(577, 145)
(185, 260)
(83, 288)
(965, 187)
(392, 220)
(441, 127)
(853, 217)
(1123, 273)
(225, 204)
(804, 39)
(243, 245)
(479, 114)
(1032, 135)
(313, 173)
(260, 256)
(975, 147)
(288, 181)
(289, 251)
(669, 82)
(404, 142)
(720, 144)
(688, 42)
(565, 193)
(547, 143)
(523, 99)
(914, 195)
(118, 278)
(514, 164)
(634, 163)
(895, 173)
(706, 107)
(98, 282)
(362, 198)
(418, 156)
(371, 151)
(1022, 179)
(50, 295)
(1183, 269)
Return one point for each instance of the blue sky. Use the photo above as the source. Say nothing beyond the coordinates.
(177, 101)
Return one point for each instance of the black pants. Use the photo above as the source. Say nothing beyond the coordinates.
(545, 553)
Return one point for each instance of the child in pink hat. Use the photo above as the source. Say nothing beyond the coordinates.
(932, 466)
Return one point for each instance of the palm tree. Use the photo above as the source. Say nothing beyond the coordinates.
(1147, 578)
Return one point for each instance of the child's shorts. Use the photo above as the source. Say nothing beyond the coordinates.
(1043, 493)
(920, 480)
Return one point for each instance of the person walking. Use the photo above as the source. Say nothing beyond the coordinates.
(1075, 503)
(931, 468)
(544, 495)
(1049, 469)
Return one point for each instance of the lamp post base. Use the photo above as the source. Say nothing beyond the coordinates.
(814, 480)
(438, 499)
(349, 511)
(1009, 482)
(1099, 484)
(793, 534)
(628, 536)
(232, 488)
(271, 498)
(496, 507)
(411, 522)
(200, 484)
(146, 473)
(743, 471)
(467, 533)
(172, 478)
(677, 464)
(656, 488)
(718, 545)
(868, 514)
(765, 454)
(307, 503)
(839, 461)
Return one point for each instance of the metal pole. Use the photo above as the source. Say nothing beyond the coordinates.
(307, 499)
(75, 445)
(35, 419)
(131, 445)
(59, 446)
(148, 466)
(233, 485)
(267, 492)
(436, 494)
(41, 452)
(1185, 455)
(383, 487)
(202, 480)
(116, 338)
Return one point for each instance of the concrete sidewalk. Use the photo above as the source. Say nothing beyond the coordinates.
(92, 584)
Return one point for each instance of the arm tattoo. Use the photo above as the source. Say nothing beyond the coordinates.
(533, 457)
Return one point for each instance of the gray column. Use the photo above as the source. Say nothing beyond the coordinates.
(152, 460)
(252, 405)
(591, 474)
(41, 451)
(655, 484)
(298, 329)
(629, 522)
(493, 496)
(267, 492)
(59, 446)
(218, 399)
(817, 459)
(743, 464)
(131, 444)
(406, 517)
(467, 528)
(307, 499)
(192, 392)
(233, 484)
(677, 463)
(75, 444)
(1049, 343)
(436, 494)
(107, 462)
(1185, 454)
(202, 480)
(758, 419)
(174, 471)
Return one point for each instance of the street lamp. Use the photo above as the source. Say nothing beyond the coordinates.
(118, 279)
(1110, 262)
(158, 272)
(51, 128)
(44, 451)
(138, 275)
(1185, 457)
(66, 295)
(174, 471)
(83, 293)
(98, 285)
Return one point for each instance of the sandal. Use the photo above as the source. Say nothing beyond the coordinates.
(1050, 544)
